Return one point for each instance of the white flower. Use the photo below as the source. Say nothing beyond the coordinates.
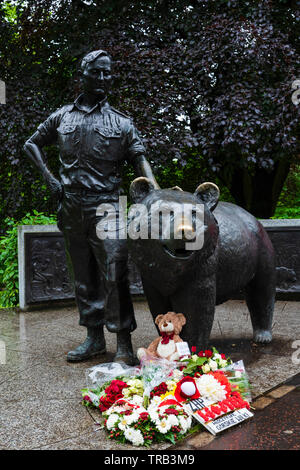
(111, 421)
(210, 388)
(206, 368)
(177, 375)
(123, 423)
(137, 438)
(129, 433)
(153, 415)
(155, 401)
(136, 400)
(172, 420)
(194, 357)
(213, 365)
(134, 436)
(223, 363)
(133, 418)
(185, 423)
(163, 426)
(171, 384)
(217, 356)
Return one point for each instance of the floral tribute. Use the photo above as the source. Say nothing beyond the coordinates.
(152, 406)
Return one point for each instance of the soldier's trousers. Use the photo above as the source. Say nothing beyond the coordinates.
(98, 267)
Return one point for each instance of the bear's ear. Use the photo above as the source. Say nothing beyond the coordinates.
(139, 188)
(158, 318)
(176, 188)
(209, 194)
(181, 318)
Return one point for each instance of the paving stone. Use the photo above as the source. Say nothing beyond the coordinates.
(281, 391)
(40, 392)
(261, 403)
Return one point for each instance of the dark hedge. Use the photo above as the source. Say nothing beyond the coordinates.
(208, 83)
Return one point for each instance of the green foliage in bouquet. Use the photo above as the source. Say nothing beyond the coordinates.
(204, 362)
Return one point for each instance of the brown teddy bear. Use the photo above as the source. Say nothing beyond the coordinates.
(169, 325)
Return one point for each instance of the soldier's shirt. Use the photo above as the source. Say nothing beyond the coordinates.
(93, 145)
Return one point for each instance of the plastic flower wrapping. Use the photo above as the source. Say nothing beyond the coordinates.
(163, 400)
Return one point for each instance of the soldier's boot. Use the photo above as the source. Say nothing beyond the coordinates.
(92, 346)
(124, 349)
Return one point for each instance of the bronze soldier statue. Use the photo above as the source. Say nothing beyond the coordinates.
(94, 140)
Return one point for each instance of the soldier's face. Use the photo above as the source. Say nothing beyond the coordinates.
(96, 77)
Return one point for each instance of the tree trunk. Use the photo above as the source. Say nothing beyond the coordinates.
(259, 193)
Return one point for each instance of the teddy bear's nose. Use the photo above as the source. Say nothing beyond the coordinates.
(165, 324)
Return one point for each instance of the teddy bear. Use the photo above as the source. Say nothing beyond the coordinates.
(170, 326)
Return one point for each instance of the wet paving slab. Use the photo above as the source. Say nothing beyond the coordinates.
(40, 392)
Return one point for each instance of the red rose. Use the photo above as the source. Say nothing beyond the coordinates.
(223, 356)
(194, 349)
(87, 398)
(144, 416)
(208, 353)
(201, 354)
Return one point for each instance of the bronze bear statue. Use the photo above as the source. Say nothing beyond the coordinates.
(236, 254)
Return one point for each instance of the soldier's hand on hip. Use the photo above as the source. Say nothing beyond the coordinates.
(55, 187)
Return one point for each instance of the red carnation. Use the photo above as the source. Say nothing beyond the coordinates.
(172, 411)
(208, 353)
(144, 416)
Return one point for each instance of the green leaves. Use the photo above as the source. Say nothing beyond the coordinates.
(9, 276)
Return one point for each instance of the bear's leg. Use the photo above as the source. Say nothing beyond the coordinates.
(196, 300)
(158, 303)
(260, 298)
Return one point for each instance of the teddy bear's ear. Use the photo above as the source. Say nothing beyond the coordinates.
(158, 318)
(181, 318)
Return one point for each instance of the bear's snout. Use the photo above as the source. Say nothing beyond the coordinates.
(167, 326)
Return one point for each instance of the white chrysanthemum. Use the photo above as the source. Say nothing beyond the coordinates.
(153, 415)
(172, 419)
(210, 388)
(133, 418)
(155, 401)
(137, 438)
(185, 423)
(111, 421)
(137, 400)
(163, 426)
(128, 433)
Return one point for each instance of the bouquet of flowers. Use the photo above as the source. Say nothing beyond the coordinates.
(204, 362)
(159, 402)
